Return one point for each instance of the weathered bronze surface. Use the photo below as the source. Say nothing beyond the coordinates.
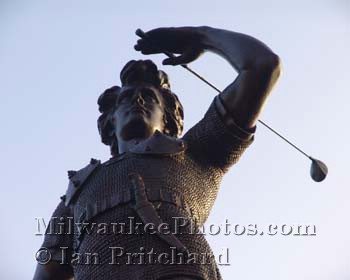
(154, 177)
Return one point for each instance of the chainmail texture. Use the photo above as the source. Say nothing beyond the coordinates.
(192, 177)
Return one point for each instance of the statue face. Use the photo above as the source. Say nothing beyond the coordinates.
(139, 112)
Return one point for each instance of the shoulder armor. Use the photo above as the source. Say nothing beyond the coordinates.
(78, 178)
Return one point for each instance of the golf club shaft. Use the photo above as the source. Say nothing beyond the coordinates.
(143, 35)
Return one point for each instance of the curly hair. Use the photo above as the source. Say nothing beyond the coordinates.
(134, 72)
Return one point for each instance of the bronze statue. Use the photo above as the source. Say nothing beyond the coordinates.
(155, 178)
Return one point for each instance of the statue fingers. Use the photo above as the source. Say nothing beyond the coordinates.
(162, 40)
(145, 47)
(187, 57)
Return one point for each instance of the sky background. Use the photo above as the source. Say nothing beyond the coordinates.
(56, 57)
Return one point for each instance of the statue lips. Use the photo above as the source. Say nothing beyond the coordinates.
(138, 110)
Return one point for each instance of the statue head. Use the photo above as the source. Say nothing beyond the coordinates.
(143, 104)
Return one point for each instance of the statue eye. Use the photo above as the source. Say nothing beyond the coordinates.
(149, 96)
(124, 97)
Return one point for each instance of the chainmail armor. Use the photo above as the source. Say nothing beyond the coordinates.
(182, 184)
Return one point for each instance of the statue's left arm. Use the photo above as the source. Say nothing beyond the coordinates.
(257, 66)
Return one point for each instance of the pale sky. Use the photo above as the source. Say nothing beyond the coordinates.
(56, 57)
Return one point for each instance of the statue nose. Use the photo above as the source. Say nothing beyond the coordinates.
(140, 100)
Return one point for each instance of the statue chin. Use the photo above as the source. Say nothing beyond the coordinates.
(136, 128)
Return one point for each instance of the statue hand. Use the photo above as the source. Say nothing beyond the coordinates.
(186, 41)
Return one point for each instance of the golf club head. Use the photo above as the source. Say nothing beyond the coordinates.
(318, 170)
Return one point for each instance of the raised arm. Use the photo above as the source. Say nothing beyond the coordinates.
(257, 66)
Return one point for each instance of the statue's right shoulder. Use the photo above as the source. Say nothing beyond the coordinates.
(78, 178)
